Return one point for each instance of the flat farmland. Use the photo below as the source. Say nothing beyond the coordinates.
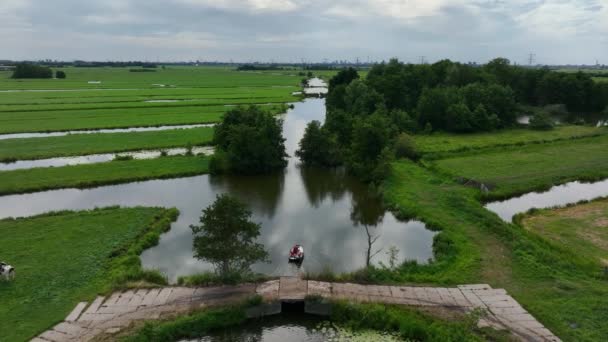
(172, 96)
(122, 78)
(515, 170)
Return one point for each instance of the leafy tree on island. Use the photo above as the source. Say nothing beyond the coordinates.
(226, 238)
(248, 141)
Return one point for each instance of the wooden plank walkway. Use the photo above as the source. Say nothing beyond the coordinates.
(111, 314)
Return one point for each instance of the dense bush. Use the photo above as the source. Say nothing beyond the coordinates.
(405, 147)
(542, 121)
(60, 74)
(248, 141)
(25, 70)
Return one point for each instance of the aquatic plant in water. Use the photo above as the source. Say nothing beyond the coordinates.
(336, 333)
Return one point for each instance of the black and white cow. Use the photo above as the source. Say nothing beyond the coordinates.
(7, 272)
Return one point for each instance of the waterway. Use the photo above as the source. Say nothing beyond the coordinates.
(324, 210)
(558, 195)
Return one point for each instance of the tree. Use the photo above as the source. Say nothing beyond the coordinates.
(26, 70)
(459, 118)
(368, 156)
(343, 77)
(60, 74)
(542, 121)
(405, 147)
(226, 237)
(318, 147)
(360, 100)
(249, 141)
(501, 69)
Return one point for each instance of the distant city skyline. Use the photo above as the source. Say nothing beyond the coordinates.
(555, 31)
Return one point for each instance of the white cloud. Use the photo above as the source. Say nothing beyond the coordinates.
(556, 30)
(398, 9)
(247, 5)
(565, 19)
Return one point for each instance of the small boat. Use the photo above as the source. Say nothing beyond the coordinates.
(296, 254)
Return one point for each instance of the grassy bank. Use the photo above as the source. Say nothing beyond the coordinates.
(561, 288)
(581, 227)
(65, 257)
(438, 144)
(513, 171)
(83, 144)
(91, 175)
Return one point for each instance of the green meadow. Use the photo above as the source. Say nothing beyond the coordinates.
(515, 170)
(67, 257)
(91, 175)
(84, 144)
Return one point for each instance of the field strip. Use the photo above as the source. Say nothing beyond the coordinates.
(100, 158)
(106, 130)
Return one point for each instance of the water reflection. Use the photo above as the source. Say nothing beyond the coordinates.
(100, 158)
(325, 211)
(261, 193)
(556, 196)
(279, 328)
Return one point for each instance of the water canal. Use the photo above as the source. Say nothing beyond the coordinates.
(324, 210)
(293, 327)
(558, 195)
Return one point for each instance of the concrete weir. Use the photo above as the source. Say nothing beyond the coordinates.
(119, 310)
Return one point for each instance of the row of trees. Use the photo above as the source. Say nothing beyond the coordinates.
(464, 98)
(26, 70)
(368, 122)
(401, 85)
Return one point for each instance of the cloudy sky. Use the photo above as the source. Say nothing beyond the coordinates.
(557, 31)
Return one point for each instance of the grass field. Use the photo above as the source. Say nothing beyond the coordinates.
(564, 290)
(179, 76)
(443, 143)
(582, 228)
(83, 144)
(52, 278)
(90, 175)
(122, 99)
(512, 171)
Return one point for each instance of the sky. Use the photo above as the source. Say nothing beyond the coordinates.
(555, 31)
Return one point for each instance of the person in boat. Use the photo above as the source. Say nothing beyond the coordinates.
(297, 250)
